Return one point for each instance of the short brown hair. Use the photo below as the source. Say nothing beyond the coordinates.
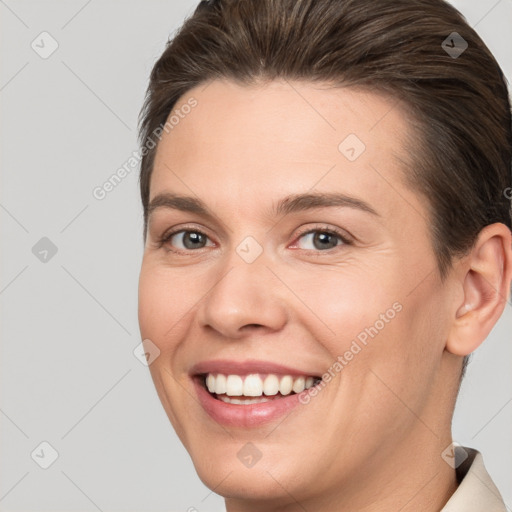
(460, 104)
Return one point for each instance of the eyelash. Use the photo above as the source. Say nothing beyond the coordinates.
(319, 229)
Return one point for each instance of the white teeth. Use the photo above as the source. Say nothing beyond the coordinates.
(220, 384)
(234, 385)
(286, 385)
(210, 383)
(237, 401)
(299, 385)
(254, 386)
(271, 385)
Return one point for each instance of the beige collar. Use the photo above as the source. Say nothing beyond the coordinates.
(476, 491)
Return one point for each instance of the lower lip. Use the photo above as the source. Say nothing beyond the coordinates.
(247, 416)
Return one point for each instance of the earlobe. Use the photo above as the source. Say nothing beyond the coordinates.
(486, 287)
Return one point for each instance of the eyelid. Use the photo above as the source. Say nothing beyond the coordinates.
(345, 237)
(342, 233)
(186, 227)
(168, 234)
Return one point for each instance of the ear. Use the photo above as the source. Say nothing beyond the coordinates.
(486, 277)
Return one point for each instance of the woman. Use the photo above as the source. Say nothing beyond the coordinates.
(327, 239)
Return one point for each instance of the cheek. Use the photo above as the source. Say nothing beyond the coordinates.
(159, 311)
(403, 359)
(346, 300)
(149, 302)
(161, 304)
(375, 323)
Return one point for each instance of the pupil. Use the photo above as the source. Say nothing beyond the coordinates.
(324, 239)
(191, 240)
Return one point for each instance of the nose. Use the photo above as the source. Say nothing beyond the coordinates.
(243, 297)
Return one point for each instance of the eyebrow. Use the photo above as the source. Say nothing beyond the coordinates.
(289, 204)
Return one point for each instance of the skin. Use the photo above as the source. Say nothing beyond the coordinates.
(372, 438)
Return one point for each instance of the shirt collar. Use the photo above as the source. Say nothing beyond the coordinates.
(476, 491)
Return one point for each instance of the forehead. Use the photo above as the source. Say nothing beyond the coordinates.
(282, 137)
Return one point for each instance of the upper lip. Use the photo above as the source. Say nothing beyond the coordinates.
(229, 367)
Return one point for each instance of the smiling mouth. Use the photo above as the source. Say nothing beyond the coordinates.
(255, 388)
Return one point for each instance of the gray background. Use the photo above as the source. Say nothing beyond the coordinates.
(69, 325)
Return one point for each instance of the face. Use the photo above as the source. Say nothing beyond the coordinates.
(300, 259)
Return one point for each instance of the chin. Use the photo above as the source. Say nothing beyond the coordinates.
(233, 481)
(227, 469)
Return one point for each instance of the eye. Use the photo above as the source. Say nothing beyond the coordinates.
(186, 240)
(321, 239)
